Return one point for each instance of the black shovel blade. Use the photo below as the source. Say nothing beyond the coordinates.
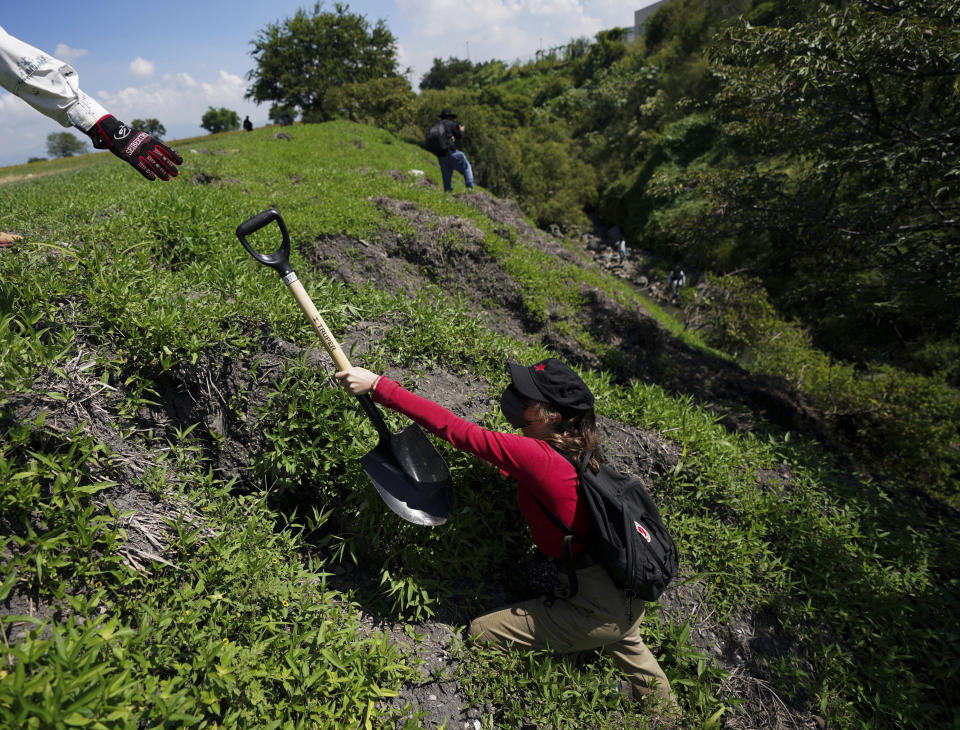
(411, 477)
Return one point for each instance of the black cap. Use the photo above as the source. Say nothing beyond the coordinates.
(447, 113)
(552, 382)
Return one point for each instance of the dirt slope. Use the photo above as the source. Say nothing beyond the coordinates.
(743, 402)
(208, 392)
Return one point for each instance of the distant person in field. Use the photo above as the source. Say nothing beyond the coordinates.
(247, 124)
(675, 281)
(552, 408)
(442, 138)
(622, 250)
(52, 88)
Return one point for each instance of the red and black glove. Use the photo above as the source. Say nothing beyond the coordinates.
(150, 157)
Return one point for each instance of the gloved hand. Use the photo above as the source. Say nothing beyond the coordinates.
(150, 158)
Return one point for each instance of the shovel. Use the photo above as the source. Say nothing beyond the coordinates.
(411, 477)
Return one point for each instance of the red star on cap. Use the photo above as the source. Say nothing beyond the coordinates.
(539, 368)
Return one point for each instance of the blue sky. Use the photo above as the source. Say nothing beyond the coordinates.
(174, 59)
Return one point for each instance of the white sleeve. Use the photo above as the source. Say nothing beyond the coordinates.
(48, 85)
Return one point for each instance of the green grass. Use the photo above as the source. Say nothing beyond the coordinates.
(901, 424)
(43, 168)
(240, 629)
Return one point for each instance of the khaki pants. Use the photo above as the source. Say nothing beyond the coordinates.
(598, 616)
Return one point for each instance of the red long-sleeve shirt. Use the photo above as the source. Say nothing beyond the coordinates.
(533, 463)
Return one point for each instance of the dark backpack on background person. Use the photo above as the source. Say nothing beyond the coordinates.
(438, 139)
(629, 537)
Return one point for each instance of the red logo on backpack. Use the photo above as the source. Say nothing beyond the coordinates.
(642, 530)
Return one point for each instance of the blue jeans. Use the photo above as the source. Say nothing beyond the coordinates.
(455, 161)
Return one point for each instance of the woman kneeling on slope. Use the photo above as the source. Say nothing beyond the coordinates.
(553, 409)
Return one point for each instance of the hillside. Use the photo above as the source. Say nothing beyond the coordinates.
(802, 190)
(188, 538)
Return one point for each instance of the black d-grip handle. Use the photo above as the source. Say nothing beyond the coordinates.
(279, 260)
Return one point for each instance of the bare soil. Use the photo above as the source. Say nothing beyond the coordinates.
(447, 251)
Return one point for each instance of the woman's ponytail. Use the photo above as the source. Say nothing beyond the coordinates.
(574, 435)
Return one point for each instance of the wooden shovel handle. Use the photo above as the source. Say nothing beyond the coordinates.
(326, 336)
(333, 347)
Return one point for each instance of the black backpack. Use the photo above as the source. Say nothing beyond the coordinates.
(629, 538)
(438, 139)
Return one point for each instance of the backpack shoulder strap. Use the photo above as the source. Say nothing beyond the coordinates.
(553, 518)
(568, 539)
(570, 535)
(557, 522)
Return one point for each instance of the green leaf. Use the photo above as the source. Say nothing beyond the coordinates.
(75, 719)
(7, 586)
(94, 488)
(714, 720)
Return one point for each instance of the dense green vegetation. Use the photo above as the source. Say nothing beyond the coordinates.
(802, 155)
(812, 145)
(301, 59)
(811, 148)
(115, 303)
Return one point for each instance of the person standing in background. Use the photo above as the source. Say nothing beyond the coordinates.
(442, 138)
(676, 280)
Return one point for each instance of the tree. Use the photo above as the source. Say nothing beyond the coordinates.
(150, 126)
(220, 120)
(302, 58)
(283, 114)
(385, 103)
(64, 144)
(844, 195)
(608, 49)
(452, 72)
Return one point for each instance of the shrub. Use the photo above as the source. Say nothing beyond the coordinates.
(908, 425)
(386, 103)
(220, 120)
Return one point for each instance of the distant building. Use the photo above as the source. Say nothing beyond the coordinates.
(640, 18)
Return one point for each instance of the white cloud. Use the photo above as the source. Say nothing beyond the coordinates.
(24, 131)
(178, 101)
(448, 18)
(174, 94)
(507, 30)
(67, 54)
(140, 68)
(560, 8)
